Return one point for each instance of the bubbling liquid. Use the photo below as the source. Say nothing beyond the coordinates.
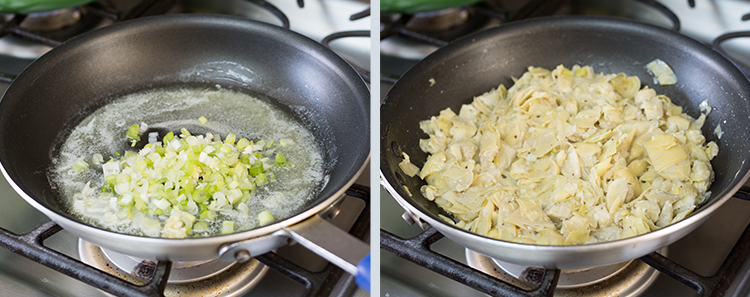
(227, 111)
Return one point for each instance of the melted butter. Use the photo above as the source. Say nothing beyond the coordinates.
(227, 111)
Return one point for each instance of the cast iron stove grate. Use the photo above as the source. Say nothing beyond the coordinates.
(364, 73)
(96, 11)
(480, 16)
(745, 68)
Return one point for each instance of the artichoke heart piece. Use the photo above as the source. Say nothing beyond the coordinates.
(434, 163)
(544, 144)
(678, 122)
(576, 229)
(619, 192)
(407, 167)
(668, 157)
(633, 225)
(458, 178)
(664, 74)
(587, 117)
(625, 85)
(488, 148)
(530, 216)
(637, 167)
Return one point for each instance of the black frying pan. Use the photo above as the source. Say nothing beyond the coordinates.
(286, 69)
(477, 63)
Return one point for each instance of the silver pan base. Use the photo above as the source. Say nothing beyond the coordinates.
(622, 279)
(220, 279)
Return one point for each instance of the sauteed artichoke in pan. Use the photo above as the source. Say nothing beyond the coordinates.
(566, 157)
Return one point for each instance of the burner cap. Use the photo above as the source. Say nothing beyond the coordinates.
(232, 280)
(438, 21)
(569, 278)
(623, 279)
(182, 272)
(51, 20)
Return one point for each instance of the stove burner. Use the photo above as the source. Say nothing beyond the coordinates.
(182, 272)
(52, 20)
(622, 279)
(573, 278)
(438, 21)
(436, 27)
(201, 278)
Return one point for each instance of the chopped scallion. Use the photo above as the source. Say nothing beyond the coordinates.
(185, 178)
(265, 218)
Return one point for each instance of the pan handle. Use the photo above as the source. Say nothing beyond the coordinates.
(335, 245)
(319, 236)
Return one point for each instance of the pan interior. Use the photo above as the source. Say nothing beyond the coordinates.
(453, 75)
(172, 109)
(295, 73)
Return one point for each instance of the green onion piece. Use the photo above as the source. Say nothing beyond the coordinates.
(199, 196)
(210, 190)
(227, 227)
(108, 188)
(97, 158)
(140, 205)
(242, 143)
(80, 166)
(265, 218)
(257, 168)
(230, 138)
(245, 159)
(160, 149)
(188, 186)
(167, 138)
(200, 227)
(111, 179)
(133, 133)
(188, 219)
(207, 215)
(247, 186)
(280, 159)
(261, 179)
(203, 120)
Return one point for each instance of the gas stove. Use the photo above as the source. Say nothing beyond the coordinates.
(289, 271)
(718, 247)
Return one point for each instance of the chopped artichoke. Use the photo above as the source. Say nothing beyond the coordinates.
(625, 85)
(664, 74)
(566, 157)
(668, 157)
(407, 167)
